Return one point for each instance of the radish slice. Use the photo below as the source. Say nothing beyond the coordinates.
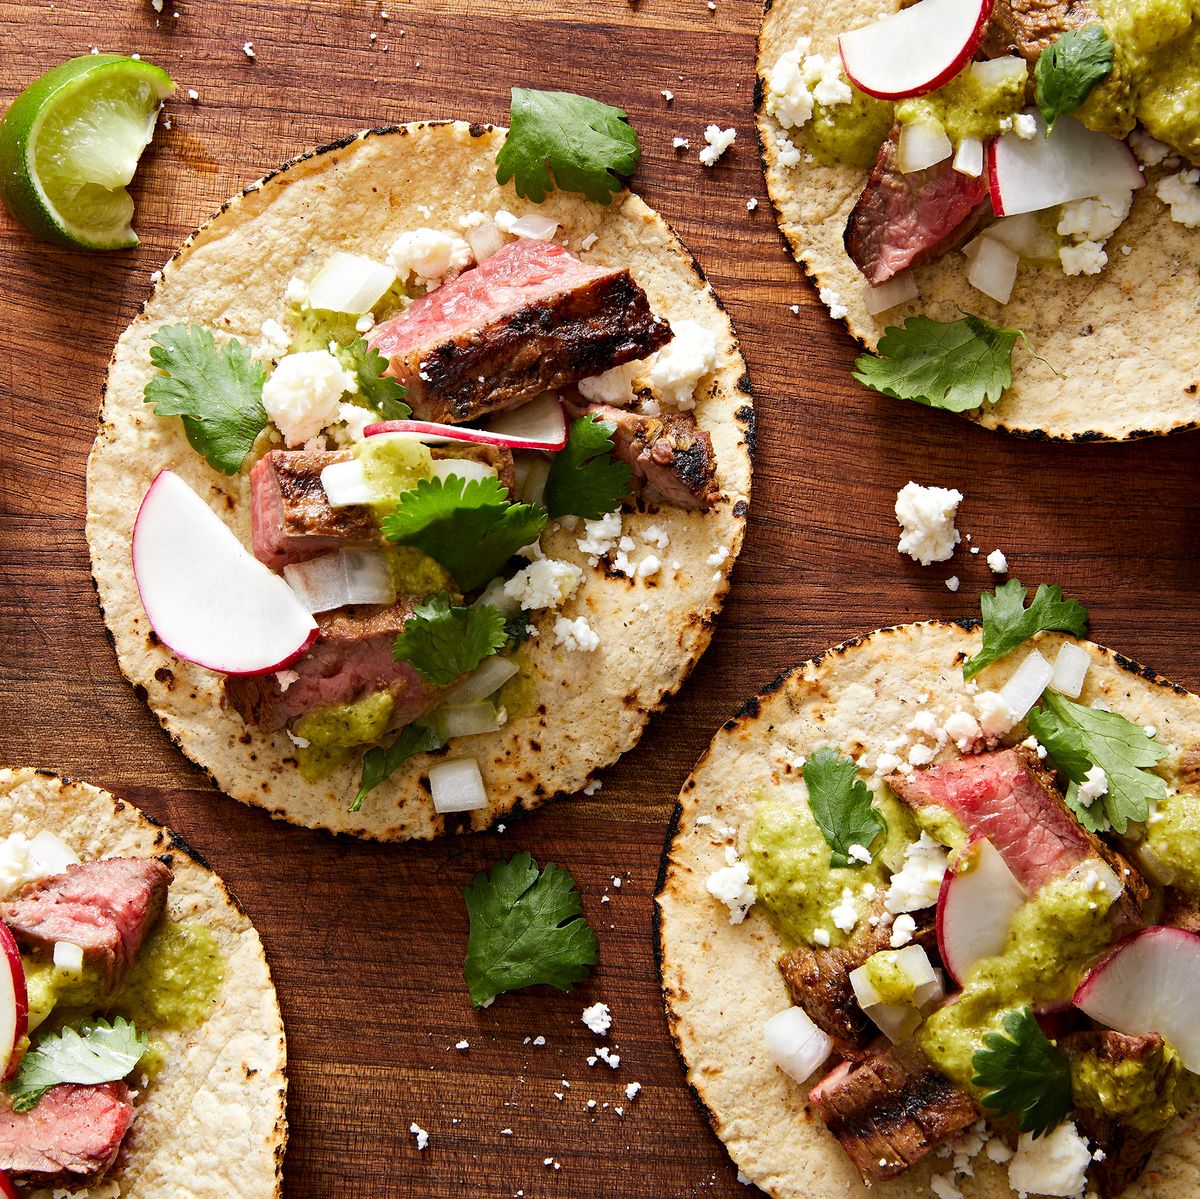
(462, 468)
(208, 598)
(1149, 983)
(899, 289)
(345, 484)
(1073, 163)
(1070, 669)
(485, 680)
(911, 52)
(975, 908)
(795, 1044)
(922, 145)
(968, 158)
(484, 240)
(540, 420)
(14, 1003)
(432, 433)
(347, 576)
(1026, 684)
(992, 268)
(6, 1187)
(457, 786)
(350, 283)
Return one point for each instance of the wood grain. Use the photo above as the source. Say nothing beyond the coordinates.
(366, 942)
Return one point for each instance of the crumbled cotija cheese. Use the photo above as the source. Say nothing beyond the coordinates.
(676, 369)
(916, 884)
(1182, 193)
(302, 394)
(1055, 1164)
(997, 562)
(275, 339)
(732, 886)
(926, 517)
(614, 386)
(546, 583)
(1083, 258)
(1094, 785)
(430, 254)
(575, 634)
(719, 140)
(598, 1018)
(600, 536)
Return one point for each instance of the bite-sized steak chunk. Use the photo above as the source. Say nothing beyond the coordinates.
(1180, 910)
(890, 1110)
(902, 220)
(106, 907)
(1027, 27)
(1008, 798)
(70, 1139)
(670, 455)
(291, 519)
(531, 318)
(351, 658)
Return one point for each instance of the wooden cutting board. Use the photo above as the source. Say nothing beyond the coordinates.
(367, 942)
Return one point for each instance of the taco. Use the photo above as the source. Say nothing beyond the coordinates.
(949, 202)
(902, 938)
(145, 1052)
(501, 462)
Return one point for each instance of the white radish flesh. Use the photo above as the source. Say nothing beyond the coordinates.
(1026, 684)
(899, 289)
(1024, 234)
(975, 908)
(457, 786)
(992, 269)
(1070, 669)
(795, 1044)
(508, 607)
(922, 145)
(898, 1020)
(541, 420)
(350, 283)
(50, 854)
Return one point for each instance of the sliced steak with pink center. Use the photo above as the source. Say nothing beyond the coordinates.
(70, 1139)
(529, 319)
(890, 1110)
(291, 519)
(902, 220)
(351, 659)
(1008, 798)
(106, 907)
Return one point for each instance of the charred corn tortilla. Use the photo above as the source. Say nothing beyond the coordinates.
(211, 1124)
(1122, 359)
(720, 982)
(231, 276)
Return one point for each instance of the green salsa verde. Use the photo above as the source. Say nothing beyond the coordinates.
(892, 983)
(1147, 1092)
(1174, 838)
(335, 731)
(393, 464)
(975, 103)
(848, 135)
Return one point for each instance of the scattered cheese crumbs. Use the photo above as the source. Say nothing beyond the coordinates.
(539, 1041)
(680, 143)
(903, 928)
(1094, 785)
(667, 95)
(833, 302)
(1084, 258)
(655, 535)
(751, 204)
(302, 393)
(193, 95)
(429, 254)
(926, 518)
(942, 1186)
(275, 339)
(1095, 219)
(631, 1089)
(917, 883)
(995, 716)
(845, 914)
(506, 1132)
(576, 634)
(421, 1135)
(1025, 126)
(463, 1045)
(1055, 1164)
(1182, 193)
(952, 583)
(718, 556)
(859, 853)
(1150, 151)
(613, 1060)
(649, 566)
(297, 290)
(732, 886)
(679, 366)
(248, 49)
(600, 536)
(286, 678)
(547, 583)
(719, 140)
(821, 937)
(997, 562)
(598, 1018)
(962, 728)
(593, 787)
(998, 1151)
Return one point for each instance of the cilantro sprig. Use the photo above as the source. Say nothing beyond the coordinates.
(467, 525)
(558, 139)
(585, 480)
(841, 805)
(1024, 1073)
(527, 927)
(443, 642)
(1069, 68)
(1079, 738)
(380, 762)
(956, 365)
(377, 391)
(217, 392)
(1007, 622)
(95, 1052)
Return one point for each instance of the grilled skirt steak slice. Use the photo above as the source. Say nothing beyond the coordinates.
(107, 907)
(351, 658)
(670, 455)
(890, 1110)
(70, 1139)
(291, 519)
(1008, 798)
(529, 319)
(902, 220)
(1027, 27)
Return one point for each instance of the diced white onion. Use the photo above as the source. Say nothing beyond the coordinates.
(486, 679)
(533, 226)
(541, 420)
(350, 283)
(484, 240)
(993, 72)
(457, 786)
(346, 483)
(468, 720)
(1026, 684)
(1070, 669)
(899, 289)
(1025, 234)
(968, 158)
(795, 1044)
(346, 576)
(1153, 867)
(898, 1021)
(993, 268)
(531, 474)
(68, 957)
(50, 854)
(922, 145)
(493, 595)
(1103, 877)
(462, 468)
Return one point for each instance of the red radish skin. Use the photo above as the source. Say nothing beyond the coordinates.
(14, 1003)
(6, 1187)
(460, 433)
(857, 53)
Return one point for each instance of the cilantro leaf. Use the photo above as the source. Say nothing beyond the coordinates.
(379, 763)
(956, 365)
(1078, 738)
(1069, 68)
(558, 139)
(841, 805)
(218, 393)
(526, 928)
(98, 1051)
(1024, 1073)
(443, 643)
(585, 480)
(376, 391)
(1007, 622)
(467, 526)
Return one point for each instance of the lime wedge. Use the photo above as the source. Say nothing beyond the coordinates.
(70, 143)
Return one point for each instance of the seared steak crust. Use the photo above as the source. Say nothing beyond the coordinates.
(890, 1110)
(902, 220)
(70, 1139)
(1027, 27)
(529, 319)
